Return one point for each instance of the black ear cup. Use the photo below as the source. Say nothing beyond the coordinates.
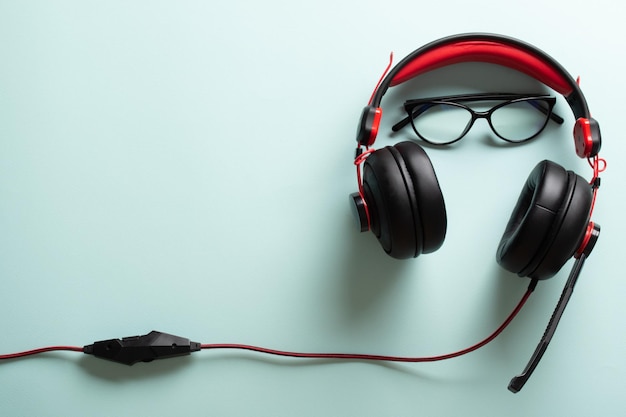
(548, 222)
(406, 206)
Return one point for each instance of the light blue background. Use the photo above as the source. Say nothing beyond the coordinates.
(184, 166)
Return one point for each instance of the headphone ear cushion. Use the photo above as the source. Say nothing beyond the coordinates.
(407, 211)
(548, 222)
(430, 203)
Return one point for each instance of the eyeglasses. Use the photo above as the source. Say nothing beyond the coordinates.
(445, 120)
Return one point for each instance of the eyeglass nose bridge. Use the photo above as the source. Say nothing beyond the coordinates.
(478, 115)
(481, 114)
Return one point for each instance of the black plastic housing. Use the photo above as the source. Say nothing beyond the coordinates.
(146, 348)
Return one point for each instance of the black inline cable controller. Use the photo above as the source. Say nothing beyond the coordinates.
(146, 348)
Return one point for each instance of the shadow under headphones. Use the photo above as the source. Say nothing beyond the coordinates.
(400, 200)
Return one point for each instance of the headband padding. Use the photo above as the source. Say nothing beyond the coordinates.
(485, 51)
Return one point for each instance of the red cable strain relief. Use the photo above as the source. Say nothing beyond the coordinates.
(360, 158)
(598, 165)
(362, 155)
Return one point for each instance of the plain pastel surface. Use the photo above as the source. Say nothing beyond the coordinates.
(185, 166)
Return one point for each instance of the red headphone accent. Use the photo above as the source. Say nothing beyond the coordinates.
(586, 239)
(583, 137)
(485, 51)
(378, 114)
(362, 207)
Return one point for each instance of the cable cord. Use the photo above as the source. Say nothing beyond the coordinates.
(41, 350)
(158, 345)
(369, 357)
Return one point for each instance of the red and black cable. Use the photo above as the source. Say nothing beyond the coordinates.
(158, 345)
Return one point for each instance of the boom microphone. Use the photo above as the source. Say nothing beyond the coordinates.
(518, 382)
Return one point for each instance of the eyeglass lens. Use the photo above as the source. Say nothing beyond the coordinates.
(446, 122)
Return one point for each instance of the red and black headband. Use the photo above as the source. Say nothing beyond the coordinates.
(493, 49)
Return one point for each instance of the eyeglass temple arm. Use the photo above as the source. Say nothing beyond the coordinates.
(476, 97)
(471, 97)
(555, 117)
(402, 123)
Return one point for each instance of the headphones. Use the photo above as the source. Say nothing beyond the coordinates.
(400, 200)
(399, 197)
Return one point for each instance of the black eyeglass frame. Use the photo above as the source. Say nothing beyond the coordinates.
(457, 100)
